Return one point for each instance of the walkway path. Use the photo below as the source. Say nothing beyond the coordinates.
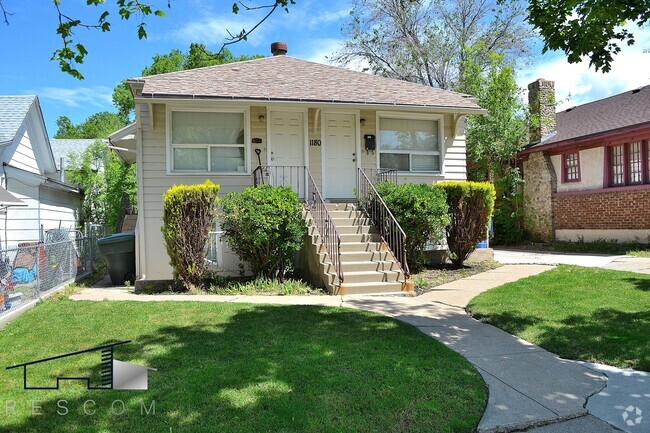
(607, 261)
(528, 385)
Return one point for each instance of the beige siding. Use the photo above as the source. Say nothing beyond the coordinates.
(156, 181)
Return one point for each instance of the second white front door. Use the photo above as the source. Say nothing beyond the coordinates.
(339, 150)
(286, 149)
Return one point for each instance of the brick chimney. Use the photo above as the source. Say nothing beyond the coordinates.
(279, 48)
(541, 102)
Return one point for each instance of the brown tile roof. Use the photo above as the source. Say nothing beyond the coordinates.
(620, 111)
(284, 78)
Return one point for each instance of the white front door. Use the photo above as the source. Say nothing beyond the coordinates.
(286, 150)
(339, 149)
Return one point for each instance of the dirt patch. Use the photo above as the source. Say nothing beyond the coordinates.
(434, 276)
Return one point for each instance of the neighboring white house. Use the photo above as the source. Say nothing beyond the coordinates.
(213, 123)
(28, 171)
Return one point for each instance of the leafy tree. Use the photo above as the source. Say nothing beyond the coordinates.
(103, 179)
(591, 28)
(494, 139)
(98, 125)
(72, 52)
(429, 42)
(197, 57)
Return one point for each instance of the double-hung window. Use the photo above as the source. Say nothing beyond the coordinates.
(208, 142)
(410, 144)
(629, 163)
(571, 167)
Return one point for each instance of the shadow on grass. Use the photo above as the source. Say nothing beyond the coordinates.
(606, 336)
(261, 369)
(642, 284)
(510, 322)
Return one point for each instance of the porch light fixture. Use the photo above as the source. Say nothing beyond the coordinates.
(261, 117)
(362, 121)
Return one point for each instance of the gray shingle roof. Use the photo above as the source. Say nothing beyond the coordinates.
(13, 110)
(284, 78)
(64, 147)
(620, 111)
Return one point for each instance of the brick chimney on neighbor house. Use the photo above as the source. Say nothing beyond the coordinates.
(279, 48)
(541, 101)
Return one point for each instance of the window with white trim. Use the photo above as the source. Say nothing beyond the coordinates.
(409, 145)
(208, 142)
(571, 167)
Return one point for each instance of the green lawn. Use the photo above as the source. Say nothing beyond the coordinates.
(587, 314)
(239, 368)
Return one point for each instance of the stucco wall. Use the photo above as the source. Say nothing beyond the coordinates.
(540, 182)
(592, 162)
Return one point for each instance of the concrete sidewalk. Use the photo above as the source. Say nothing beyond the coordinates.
(458, 293)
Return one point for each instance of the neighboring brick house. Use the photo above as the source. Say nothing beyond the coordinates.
(587, 169)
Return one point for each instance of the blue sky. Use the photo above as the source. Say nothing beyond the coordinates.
(311, 29)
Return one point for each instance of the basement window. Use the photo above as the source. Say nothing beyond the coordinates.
(571, 167)
(409, 143)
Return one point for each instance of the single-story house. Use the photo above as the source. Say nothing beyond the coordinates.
(587, 170)
(28, 172)
(222, 122)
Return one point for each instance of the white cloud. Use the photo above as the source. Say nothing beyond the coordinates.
(328, 17)
(576, 83)
(320, 50)
(214, 29)
(97, 96)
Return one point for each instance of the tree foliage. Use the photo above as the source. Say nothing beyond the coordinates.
(98, 125)
(493, 139)
(103, 179)
(189, 213)
(588, 28)
(176, 60)
(429, 41)
(72, 52)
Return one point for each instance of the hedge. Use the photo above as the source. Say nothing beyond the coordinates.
(189, 213)
(470, 207)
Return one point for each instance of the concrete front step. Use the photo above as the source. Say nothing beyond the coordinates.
(361, 288)
(348, 230)
(362, 246)
(372, 277)
(340, 206)
(370, 266)
(361, 221)
(359, 237)
(362, 256)
(337, 214)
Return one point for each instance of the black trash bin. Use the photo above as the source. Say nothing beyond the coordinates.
(119, 252)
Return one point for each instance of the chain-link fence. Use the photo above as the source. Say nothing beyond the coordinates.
(33, 269)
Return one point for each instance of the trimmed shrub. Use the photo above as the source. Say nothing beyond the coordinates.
(421, 211)
(264, 226)
(189, 213)
(470, 207)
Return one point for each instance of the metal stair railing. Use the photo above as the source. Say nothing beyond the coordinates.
(382, 218)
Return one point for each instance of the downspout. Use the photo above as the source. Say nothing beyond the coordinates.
(140, 260)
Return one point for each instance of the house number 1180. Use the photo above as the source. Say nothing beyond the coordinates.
(314, 142)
